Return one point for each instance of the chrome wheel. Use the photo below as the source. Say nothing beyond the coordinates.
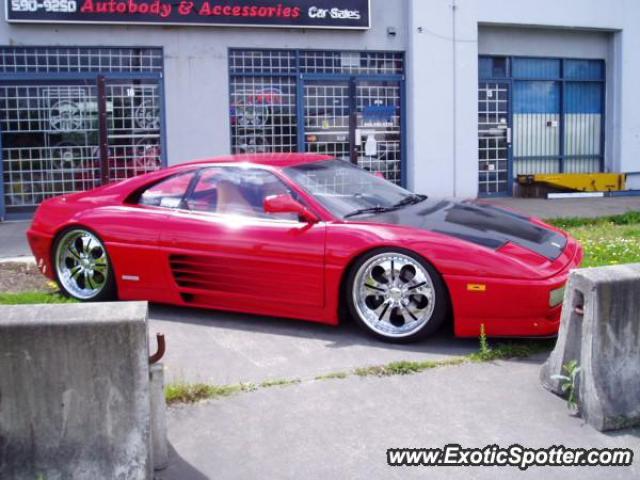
(394, 295)
(82, 264)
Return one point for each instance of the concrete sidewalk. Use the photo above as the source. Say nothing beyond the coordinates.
(342, 428)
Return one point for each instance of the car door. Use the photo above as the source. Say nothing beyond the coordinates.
(132, 232)
(226, 252)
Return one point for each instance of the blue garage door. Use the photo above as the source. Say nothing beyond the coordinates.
(557, 113)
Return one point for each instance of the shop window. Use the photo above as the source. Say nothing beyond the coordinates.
(584, 69)
(492, 67)
(262, 61)
(318, 61)
(263, 114)
(278, 104)
(555, 114)
(536, 68)
(51, 128)
(536, 97)
(583, 126)
(79, 59)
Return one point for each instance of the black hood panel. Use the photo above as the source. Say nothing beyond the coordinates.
(480, 224)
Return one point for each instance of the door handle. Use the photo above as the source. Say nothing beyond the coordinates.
(509, 135)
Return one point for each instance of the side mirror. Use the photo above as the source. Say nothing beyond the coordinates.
(287, 204)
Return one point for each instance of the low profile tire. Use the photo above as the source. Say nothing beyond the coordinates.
(396, 295)
(83, 267)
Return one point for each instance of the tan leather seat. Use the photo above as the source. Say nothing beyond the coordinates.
(231, 200)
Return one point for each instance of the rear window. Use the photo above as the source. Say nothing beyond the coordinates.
(168, 193)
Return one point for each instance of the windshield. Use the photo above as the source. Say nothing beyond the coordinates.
(347, 191)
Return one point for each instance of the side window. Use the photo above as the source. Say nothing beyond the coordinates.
(236, 191)
(168, 193)
(204, 197)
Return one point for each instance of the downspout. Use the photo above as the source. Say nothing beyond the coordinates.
(455, 98)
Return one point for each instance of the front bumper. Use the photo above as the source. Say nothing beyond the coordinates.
(508, 307)
(41, 245)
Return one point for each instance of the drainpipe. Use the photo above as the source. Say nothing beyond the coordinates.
(455, 98)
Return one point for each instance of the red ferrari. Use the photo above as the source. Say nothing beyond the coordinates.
(309, 237)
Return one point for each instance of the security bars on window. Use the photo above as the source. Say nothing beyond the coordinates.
(493, 149)
(79, 59)
(50, 131)
(263, 97)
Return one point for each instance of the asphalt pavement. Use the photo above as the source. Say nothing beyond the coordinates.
(13, 239)
(224, 348)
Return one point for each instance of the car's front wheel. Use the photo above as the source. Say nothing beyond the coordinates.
(396, 295)
(83, 268)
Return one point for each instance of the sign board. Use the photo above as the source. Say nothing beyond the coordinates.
(349, 14)
(378, 115)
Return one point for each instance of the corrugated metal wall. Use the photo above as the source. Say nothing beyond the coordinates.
(536, 121)
(582, 126)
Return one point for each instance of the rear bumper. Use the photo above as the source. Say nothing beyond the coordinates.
(41, 245)
(508, 307)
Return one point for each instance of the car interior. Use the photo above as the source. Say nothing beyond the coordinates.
(220, 190)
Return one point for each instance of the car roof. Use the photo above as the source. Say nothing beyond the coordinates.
(281, 160)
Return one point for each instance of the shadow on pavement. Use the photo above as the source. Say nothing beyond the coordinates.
(633, 431)
(346, 334)
(179, 469)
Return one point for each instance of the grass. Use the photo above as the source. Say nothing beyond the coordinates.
(194, 392)
(31, 298)
(508, 350)
(282, 382)
(629, 218)
(332, 376)
(406, 367)
(606, 240)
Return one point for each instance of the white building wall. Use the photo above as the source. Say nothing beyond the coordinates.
(443, 114)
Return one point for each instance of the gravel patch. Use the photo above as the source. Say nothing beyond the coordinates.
(18, 277)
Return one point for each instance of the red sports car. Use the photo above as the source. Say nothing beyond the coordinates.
(308, 237)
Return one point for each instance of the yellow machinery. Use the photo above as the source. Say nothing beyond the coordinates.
(580, 182)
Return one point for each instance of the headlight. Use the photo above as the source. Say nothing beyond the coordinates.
(556, 296)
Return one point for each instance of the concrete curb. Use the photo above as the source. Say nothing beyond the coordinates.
(25, 259)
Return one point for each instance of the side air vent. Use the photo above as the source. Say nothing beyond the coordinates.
(194, 272)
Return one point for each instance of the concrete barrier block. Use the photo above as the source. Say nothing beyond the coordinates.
(600, 330)
(159, 441)
(74, 392)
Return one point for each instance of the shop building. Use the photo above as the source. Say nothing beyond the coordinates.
(450, 98)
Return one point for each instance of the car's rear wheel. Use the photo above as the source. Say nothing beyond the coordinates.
(396, 295)
(83, 268)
